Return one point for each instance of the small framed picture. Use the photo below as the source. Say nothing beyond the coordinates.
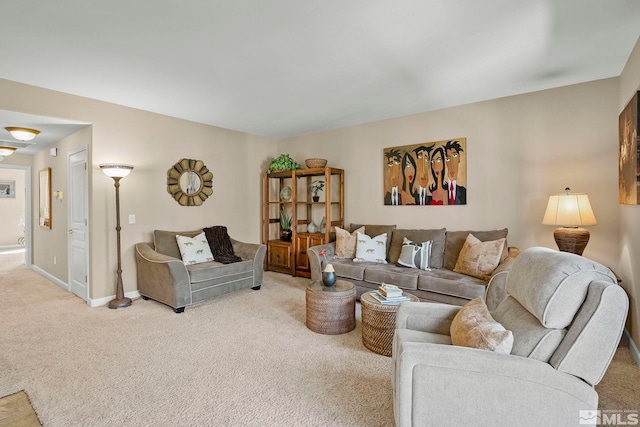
(7, 189)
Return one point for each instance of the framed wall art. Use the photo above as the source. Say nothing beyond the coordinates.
(426, 174)
(7, 189)
(629, 155)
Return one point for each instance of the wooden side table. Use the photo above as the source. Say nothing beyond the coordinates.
(331, 310)
(379, 323)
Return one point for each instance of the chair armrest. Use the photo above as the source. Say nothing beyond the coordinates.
(252, 251)
(315, 259)
(426, 316)
(435, 384)
(162, 277)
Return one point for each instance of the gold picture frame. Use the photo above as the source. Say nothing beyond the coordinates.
(44, 205)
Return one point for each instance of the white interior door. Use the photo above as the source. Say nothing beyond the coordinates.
(78, 218)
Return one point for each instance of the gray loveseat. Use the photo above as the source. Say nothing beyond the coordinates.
(566, 314)
(163, 277)
(441, 284)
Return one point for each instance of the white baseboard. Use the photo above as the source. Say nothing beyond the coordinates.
(48, 276)
(632, 346)
(104, 301)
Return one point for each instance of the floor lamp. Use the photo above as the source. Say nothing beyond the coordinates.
(117, 172)
(571, 211)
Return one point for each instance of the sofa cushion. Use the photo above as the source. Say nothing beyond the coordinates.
(552, 285)
(371, 249)
(348, 269)
(437, 238)
(402, 277)
(165, 242)
(530, 338)
(194, 250)
(346, 242)
(376, 230)
(447, 282)
(474, 327)
(415, 255)
(454, 241)
(479, 259)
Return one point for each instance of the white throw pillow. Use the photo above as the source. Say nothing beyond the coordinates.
(194, 250)
(371, 249)
(414, 255)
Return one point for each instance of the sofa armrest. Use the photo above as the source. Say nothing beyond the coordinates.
(315, 259)
(255, 252)
(162, 277)
(496, 290)
(430, 317)
(435, 384)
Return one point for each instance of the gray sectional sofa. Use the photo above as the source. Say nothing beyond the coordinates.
(441, 284)
(163, 277)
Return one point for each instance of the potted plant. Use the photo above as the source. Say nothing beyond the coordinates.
(285, 223)
(316, 187)
(282, 163)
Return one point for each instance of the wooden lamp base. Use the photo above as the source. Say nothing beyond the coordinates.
(571, 239)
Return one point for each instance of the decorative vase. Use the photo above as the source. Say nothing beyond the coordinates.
(312, 228)
(286, 235)
(329, 275)
(323, 225)
(316, 198)
(329, 278)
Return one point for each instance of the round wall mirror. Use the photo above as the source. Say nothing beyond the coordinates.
(189, 182)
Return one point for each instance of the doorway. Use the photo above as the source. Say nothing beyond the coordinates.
(78, 237)
(15, 205)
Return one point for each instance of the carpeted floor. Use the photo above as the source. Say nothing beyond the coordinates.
(245, 359)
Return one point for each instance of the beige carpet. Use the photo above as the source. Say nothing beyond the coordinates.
(245, 359)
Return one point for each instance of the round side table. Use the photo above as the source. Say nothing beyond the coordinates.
(331, 310)
(379, 323)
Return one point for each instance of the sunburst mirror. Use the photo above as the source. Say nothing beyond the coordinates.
(189, 182)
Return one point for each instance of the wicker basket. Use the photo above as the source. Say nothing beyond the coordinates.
(316, 163)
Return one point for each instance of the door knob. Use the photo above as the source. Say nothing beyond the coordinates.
(70, 231)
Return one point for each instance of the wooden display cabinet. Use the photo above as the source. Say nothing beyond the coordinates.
(291, 257)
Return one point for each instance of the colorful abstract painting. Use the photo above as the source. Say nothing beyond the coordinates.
(430, 173)
(629, 159)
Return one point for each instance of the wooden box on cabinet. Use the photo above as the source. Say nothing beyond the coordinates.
(279, 256)
(303, 242)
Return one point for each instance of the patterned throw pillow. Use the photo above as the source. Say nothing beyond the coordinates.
(479, 259)
(371, 249)
(194, 250)
(346, 243)
(414, 255)
(474, 327)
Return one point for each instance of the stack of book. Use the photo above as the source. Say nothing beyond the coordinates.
(389, 294)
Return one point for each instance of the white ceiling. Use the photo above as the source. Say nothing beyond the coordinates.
(282, 68)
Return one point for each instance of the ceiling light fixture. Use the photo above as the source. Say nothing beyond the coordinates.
(22, 134)
(6, 151)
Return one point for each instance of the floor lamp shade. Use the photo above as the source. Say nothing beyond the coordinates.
(570, 211)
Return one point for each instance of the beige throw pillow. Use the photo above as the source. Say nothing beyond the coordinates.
(479, 259)
(346, 242)
(474, 327)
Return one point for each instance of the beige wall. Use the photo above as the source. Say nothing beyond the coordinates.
(12, 209)
(629, 238)
(152, 143)
(520, 149)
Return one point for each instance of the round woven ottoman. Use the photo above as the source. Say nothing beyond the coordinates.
(379, 323)
(331, 310)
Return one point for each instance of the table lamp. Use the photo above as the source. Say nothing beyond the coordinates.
(570, 211)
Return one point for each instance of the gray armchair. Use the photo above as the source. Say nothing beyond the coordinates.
(567, 315)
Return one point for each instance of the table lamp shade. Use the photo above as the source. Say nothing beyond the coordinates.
(570, 211)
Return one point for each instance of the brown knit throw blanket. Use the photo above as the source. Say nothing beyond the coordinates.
(220, 244)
